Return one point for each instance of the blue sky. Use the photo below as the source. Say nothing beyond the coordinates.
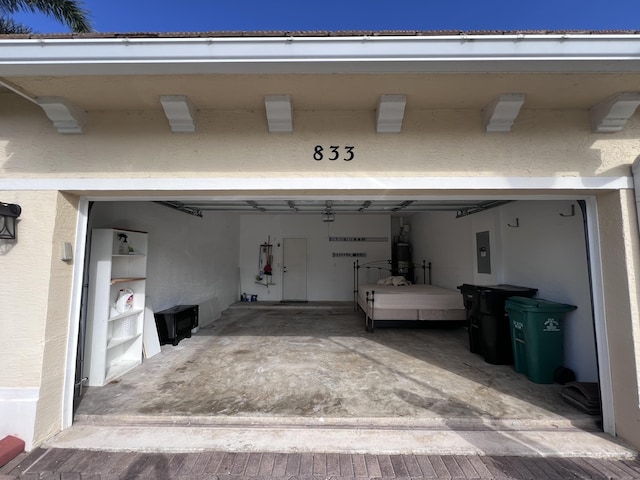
(253, 15)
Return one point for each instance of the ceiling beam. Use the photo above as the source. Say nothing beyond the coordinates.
(181, 207)
(364, 206)
(481, 207)
(180, 112)
(612, 114)
(402, 205)
(255, 206)
(279, 113)
(500, 114)
(390, 113)
(66, 117)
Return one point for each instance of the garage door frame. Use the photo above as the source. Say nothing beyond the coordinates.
(596, 281)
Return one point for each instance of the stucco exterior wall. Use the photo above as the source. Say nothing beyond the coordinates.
(236, 143)
(621, 264)
(25, 295)
(56, 333)
(448, 143)
(35, 299)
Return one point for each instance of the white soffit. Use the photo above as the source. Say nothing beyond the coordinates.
(180, 112)
(311, 54)
(66, 117)
(612, 114)
(390, 113)
(500, 114)
(279, 113)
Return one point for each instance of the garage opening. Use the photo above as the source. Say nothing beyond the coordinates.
(266, 348)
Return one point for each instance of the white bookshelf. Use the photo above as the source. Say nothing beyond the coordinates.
(114, 339)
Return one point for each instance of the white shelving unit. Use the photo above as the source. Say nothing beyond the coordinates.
(114, 339)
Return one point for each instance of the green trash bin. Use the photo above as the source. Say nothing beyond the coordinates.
(537, 336)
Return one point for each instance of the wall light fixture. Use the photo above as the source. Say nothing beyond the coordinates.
(9, 212)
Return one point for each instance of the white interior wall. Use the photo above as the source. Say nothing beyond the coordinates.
(328, 277)
(191, 260)
(547, 251)
(194, 260)
(439, 238)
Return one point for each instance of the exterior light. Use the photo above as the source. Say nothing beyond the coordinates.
(8, 214)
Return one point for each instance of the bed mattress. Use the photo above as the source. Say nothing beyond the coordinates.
(412, 302)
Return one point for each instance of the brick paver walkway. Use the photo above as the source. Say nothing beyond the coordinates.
(70, 464)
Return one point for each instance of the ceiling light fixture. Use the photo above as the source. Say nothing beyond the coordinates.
(328, 216)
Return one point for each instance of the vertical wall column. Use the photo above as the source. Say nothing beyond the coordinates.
(635, 171)
(620, 244)
(57, 318)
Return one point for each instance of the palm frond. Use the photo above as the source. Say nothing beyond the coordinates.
(69, 12)
(9, 26)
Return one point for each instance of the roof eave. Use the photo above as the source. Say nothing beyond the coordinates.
(311, 54)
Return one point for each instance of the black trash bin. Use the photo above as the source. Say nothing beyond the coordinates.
(471, 298)
(489, 328)
(495, 330)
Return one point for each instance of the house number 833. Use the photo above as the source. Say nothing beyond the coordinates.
(334, 152)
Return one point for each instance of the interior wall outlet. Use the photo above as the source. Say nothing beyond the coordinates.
(66, 252)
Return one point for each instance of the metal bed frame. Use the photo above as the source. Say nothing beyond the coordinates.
(386, 266)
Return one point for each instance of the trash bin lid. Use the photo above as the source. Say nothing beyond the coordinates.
(502, 288)
(469, 287)
(525, 304)
(510, 289)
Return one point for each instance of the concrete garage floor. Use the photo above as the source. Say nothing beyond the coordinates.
(308, 377)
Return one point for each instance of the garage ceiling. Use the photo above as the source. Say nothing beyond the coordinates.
(332, 207)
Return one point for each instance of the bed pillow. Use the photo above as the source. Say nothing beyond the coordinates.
(396, 281)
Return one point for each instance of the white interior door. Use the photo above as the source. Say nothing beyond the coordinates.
(294, 269)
